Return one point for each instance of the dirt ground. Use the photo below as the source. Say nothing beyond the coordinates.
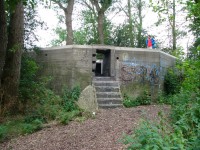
(102, 133)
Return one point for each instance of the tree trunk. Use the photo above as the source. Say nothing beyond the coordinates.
(101, 9)
(94, 27)
(3, 38)
(174, 25)
(130, 25)
(139, 7)
(11, 74)
(68, 22)
(100, 26)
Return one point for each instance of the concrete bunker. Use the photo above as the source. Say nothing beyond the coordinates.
(103, 62)
(78, 65)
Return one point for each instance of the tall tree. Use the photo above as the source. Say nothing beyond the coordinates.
(89, 18)
(68, 17)
(194, 14)
(140, 5)
(11, 73)
(173, 25)
(3, 37)
(101, 8)
(131, 28)
(32, 22)
(90, 25)
(167, 11)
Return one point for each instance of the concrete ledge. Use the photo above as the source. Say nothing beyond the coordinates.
(106, 47)
(98, 47)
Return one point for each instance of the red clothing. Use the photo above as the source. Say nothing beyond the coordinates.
(149, 44)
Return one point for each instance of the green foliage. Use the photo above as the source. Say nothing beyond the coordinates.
(70, 97)
(66, 117)
(99, 56)
(172, 82)
(90, 27)
(62, 35)
(182, 131)
(50, 106)
(129, 101)
(35, 125)
(194, 50)
(46, 107)
(121, 37)
(37, 100)
(142, 99)
(178, 52)
(192, 75)
(80, 37)
(186, 115)
(194, 14)
(18, 126)
(154, 136)
(39, 104)
(3, 131)
(31, 23)
(28, 82)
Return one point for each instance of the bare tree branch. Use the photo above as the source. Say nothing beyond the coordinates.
(96, 3)
(88, 5)
(59, 4)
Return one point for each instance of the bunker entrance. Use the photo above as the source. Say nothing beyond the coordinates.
(102, 62)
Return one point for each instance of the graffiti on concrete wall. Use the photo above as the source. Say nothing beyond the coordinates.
(132, 70)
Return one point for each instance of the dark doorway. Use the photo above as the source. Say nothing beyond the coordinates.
(102, 62)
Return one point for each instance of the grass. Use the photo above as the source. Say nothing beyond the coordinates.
(24, 125)
(15, 127)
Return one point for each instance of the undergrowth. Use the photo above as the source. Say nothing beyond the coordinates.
(38, 104)
(182, 130)
(18, 126)
(142, 99)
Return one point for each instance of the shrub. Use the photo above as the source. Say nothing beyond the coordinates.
(142, 99)
(172, 82)
(70, 97)
(186, 116)
(28, 128)
(182, 132)
(3, 133)
(18, 126)
(39, 104)
(66, 117)
(154, 136)
(28, 82)
(129, 101)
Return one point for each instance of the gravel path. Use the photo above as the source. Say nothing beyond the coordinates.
(101, 133)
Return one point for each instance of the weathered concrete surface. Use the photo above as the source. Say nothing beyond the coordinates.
(88, 100)
(75, 64)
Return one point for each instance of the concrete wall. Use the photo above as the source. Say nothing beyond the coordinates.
(142, 69)
(74, 64)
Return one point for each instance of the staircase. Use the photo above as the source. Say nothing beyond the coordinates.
(107, 92)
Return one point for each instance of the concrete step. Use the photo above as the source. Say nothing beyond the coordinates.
(107, 92)
(103, 79)
(108, 95)
(109, 100)
(107, 88)
(105, 83)
(107, 106)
